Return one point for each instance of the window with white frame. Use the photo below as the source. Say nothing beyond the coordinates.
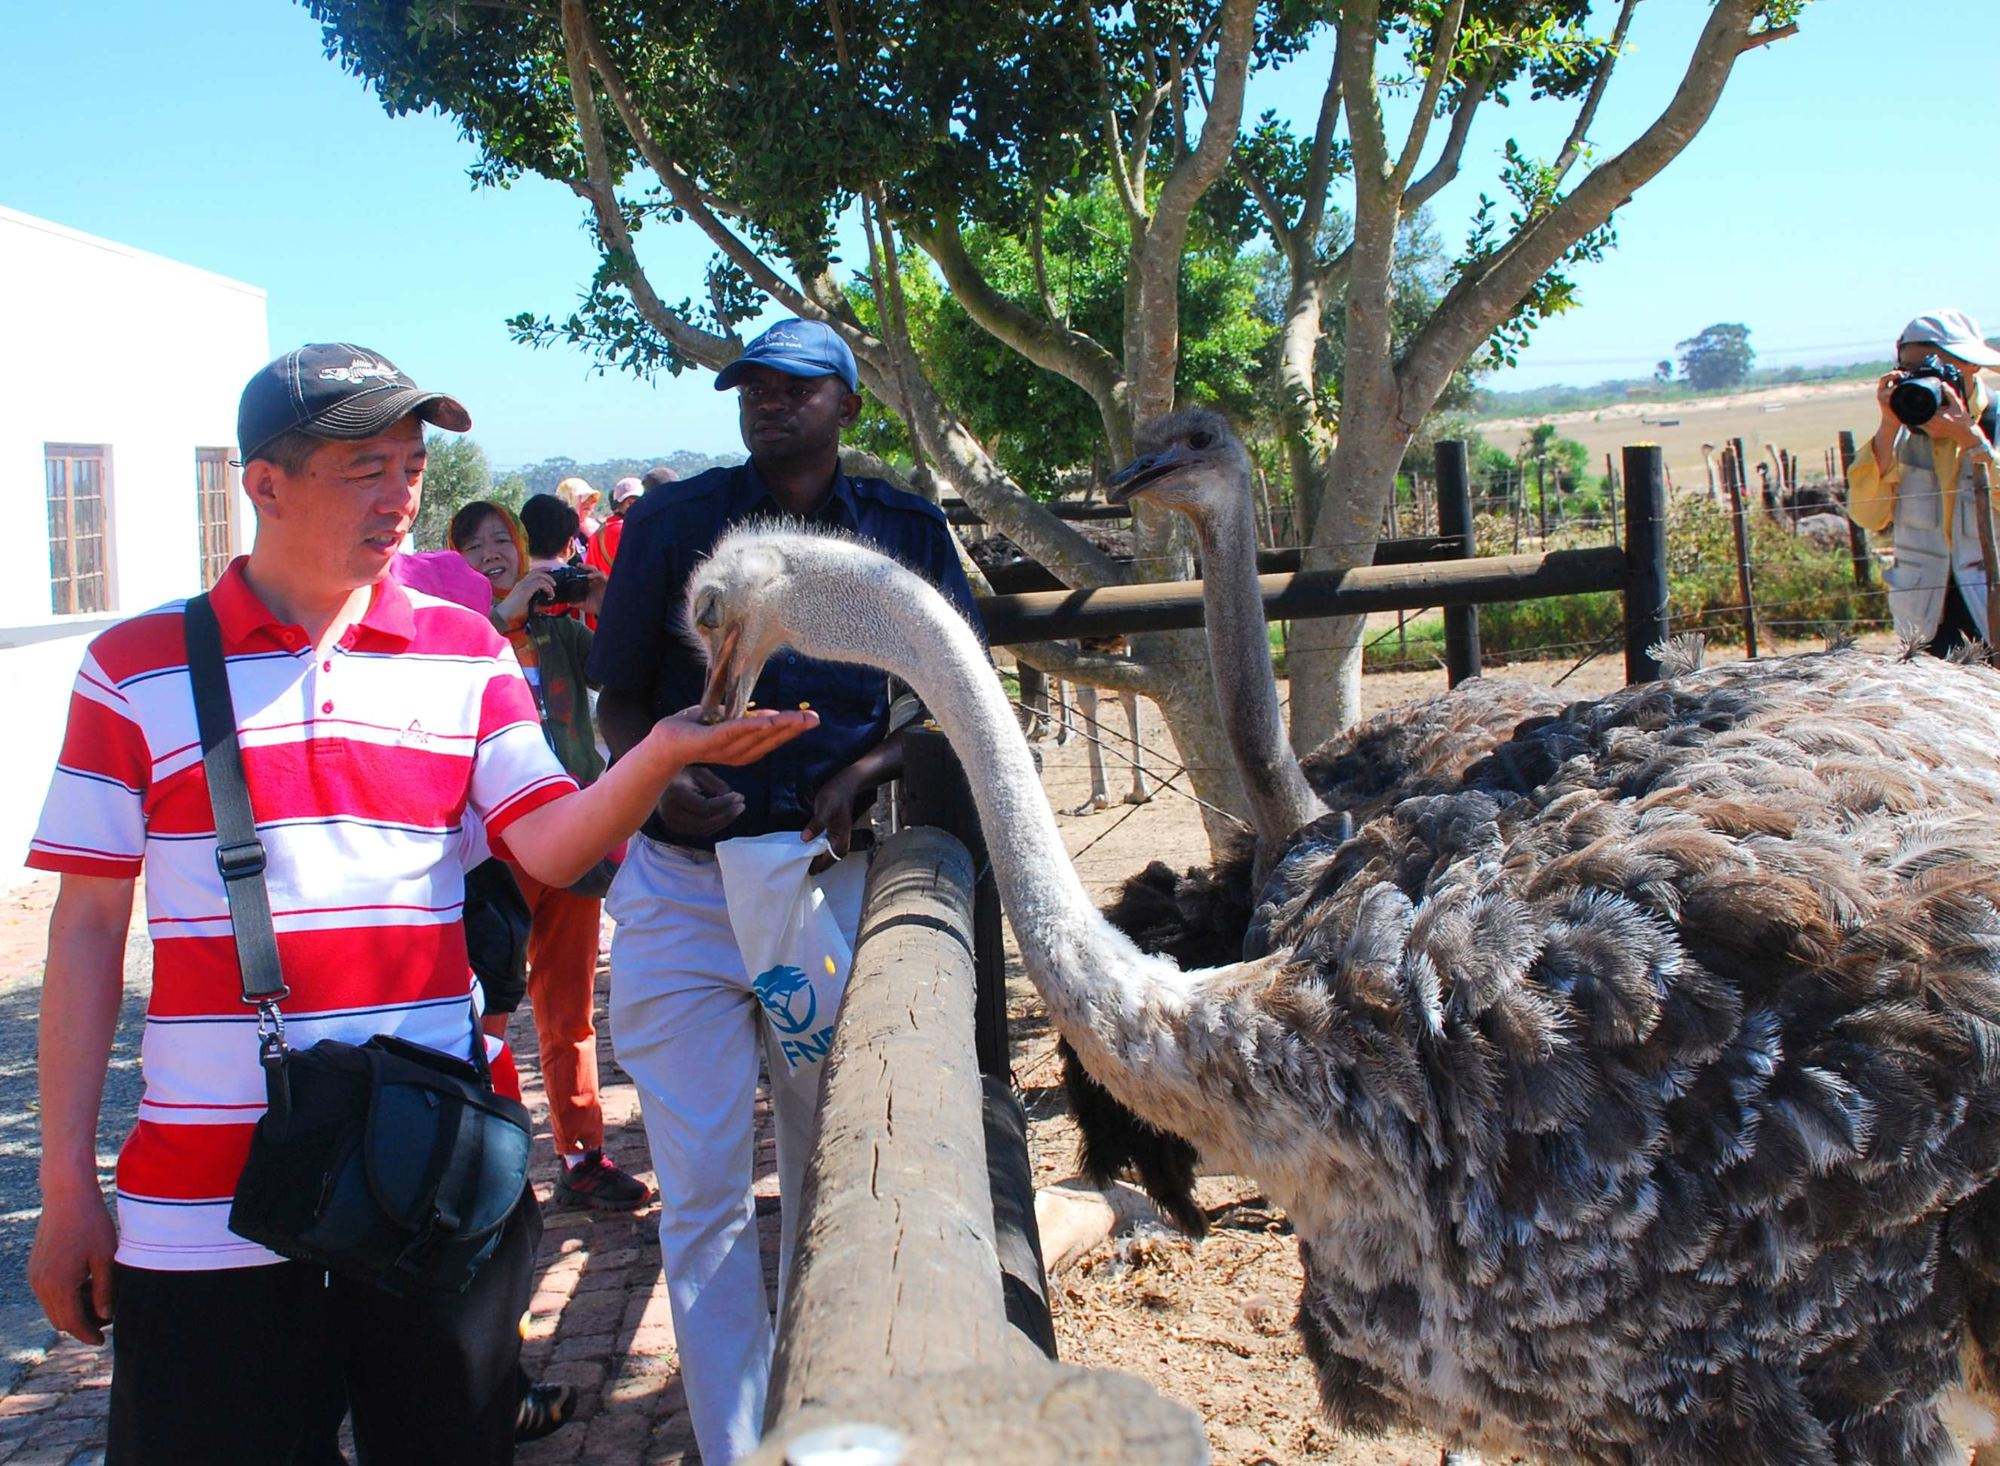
(215, 511)
(79, 500)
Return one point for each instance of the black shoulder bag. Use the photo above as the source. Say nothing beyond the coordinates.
(386, 1161)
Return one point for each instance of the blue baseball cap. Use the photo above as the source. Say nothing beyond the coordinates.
(799, 348)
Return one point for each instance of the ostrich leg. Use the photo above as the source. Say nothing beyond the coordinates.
(1138, 794)
(1086, 709)
(1035, 696)
(1065, 724)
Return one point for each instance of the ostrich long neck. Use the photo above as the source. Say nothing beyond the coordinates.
(1123, 1009)
(1239, 657)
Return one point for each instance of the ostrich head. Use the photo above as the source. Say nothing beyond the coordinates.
(1189, 461)
(762, 590)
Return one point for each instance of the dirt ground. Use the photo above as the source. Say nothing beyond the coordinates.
(1208, 1323)
(1805, 418)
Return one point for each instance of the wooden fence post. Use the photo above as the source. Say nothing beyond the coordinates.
(894, 1317)
(1646, 624)
(1982, 492)
(1857, 537)
(1454, 497)
(1733, 475)
(934, 792)
(1611, 497)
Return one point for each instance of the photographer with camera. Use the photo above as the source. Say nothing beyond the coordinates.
(1918, 475)
(530, 603)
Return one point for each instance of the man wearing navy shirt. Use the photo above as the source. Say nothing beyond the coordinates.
(684, 1021)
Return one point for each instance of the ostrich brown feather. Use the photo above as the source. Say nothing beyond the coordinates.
(1203, 916)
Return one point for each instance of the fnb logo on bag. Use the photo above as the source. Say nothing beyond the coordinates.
(792, 1005)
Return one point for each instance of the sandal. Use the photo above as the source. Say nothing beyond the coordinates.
(544, 1409)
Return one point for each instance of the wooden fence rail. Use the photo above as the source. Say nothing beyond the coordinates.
(1638, 570)
(894, 1316)
(1177, 605)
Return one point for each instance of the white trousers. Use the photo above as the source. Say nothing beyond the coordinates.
(687, 1028)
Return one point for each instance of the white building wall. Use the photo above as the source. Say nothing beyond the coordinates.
(102, 344)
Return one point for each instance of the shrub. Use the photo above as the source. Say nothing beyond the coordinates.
(1800, 591)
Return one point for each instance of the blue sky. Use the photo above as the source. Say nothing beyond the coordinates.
(1825, 203)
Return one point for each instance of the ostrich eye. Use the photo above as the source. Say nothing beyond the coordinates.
(708, 613)
(1201, 438)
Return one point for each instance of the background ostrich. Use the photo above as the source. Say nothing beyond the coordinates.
(1193, 463)
(1637, 1099)
(1093, 734)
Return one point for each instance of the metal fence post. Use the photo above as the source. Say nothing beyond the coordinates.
(1454, 498)
(1646, 623)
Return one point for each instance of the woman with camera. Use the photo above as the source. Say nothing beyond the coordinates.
(531, 606)
(1919, 474)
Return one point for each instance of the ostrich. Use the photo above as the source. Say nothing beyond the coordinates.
(1193, 463)
(1086, 711)
(1637, 1099)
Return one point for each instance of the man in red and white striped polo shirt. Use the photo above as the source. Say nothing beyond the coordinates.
(373, 720)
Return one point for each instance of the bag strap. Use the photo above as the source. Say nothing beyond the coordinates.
(239, 853)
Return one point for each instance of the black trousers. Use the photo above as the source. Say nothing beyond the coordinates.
(1956, 625)
(256, 1365)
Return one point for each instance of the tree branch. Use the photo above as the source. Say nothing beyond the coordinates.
(1354, 56)
(683, 189)
(1483, 297)
(1038, 257)
(1572, 148)
(1319, 162)
(600, 193)
(1766, 36)
(1096, 669)
(1193, 174)
(1445, 168)
(1121, 173)
(1057, 348)
(1287, 235)
(1442, 52)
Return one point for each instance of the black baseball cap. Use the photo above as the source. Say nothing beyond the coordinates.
(336, 390)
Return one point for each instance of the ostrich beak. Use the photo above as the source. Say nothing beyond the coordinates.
(719, 694)
(1145, 471)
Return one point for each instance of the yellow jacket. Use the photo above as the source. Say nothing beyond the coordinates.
(1871, 490)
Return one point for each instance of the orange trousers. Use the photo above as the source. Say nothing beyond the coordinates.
(562, 982)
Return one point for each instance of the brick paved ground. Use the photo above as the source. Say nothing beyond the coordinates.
(599, 1317)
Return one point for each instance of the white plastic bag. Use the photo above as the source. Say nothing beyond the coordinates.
(791, 944)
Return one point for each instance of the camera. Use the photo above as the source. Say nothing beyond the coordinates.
(572, 587)
(1917, 397)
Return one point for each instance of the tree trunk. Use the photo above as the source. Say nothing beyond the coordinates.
(1186, 696)
(1324, 655)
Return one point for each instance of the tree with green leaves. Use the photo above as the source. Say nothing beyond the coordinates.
(961, 131)
(1041, 427)
(455, 473)
(1346, 437)
(1718, 356)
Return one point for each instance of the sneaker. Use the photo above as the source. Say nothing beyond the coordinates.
(596, 1183)
(543, 1410)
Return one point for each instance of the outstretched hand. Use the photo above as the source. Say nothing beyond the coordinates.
(741, 740)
